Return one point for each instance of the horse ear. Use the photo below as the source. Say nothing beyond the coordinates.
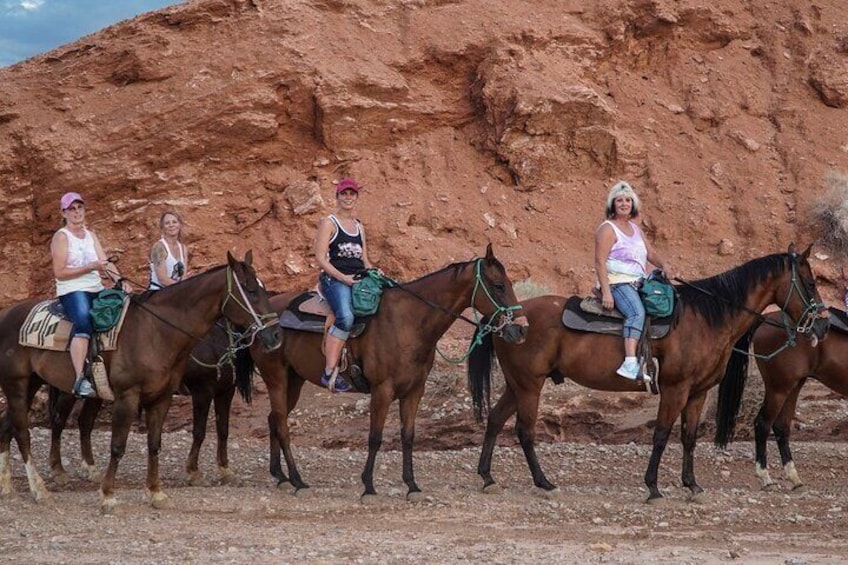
(806, 254)
(231, 261)
(490, 256)
(248, 257)
(791, 249)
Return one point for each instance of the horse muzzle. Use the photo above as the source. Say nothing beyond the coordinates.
(516, 332)
(271, 337)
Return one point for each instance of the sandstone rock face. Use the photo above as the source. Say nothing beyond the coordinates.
(466, 122)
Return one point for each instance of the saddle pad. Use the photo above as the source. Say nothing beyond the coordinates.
(591, 305)
(308, 312)
(575, 318)
(44, 328)
(838, 320)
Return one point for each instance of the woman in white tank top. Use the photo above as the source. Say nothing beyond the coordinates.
(621, 256)
(168, 256)
(78, 264)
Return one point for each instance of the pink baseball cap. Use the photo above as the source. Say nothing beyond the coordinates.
(69, 198)
(347, 184)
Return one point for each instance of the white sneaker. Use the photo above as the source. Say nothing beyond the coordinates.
(629, 370)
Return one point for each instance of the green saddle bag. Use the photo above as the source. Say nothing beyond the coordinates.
(367, 292)
(657, 296)
(106, 309)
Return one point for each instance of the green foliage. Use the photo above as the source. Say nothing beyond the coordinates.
(830, 214)
(528, 288)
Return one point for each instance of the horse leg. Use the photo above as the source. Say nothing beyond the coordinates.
(5, 463)
(59, 413)
(278, 423)
(672, 401)
(505, 407)
(275, 467)
(124, 411)
(201, 402)
(408, 410)
(773, 405)
(782, 429)
(18, 420)
(155, 418)
(223, 403)
(380, 401)
(525, 429)
(85, 421)
(688, 437)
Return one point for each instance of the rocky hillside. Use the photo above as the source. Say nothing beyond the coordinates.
(467, 121)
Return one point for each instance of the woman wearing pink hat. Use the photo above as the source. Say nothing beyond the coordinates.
(78, 263)
(341, 253)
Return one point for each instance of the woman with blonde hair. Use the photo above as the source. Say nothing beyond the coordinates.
(168, 256)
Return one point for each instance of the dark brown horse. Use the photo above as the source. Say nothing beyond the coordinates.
(711, 315)
(395, 353)
(784, 374)
(205, 379)
(145, 370)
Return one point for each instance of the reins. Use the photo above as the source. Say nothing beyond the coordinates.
(484, 328)
(803, 325)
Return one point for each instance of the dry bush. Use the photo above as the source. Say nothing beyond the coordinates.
(830, 214)
(528, 288)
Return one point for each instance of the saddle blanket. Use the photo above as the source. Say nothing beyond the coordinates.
(47, 327)
(576, 318)
(838, 320)
(308, 313)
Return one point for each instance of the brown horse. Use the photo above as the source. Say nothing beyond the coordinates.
(395, 353)
(784, 373)
(711, 315)
(145, 369)
(202, 380)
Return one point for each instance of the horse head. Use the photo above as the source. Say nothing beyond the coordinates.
(247, 303)
(801, 298)
(497, 299)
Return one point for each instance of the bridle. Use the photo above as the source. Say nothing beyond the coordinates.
(482, 324)
(260, 322)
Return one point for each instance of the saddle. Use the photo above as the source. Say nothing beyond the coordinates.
(588, 315)
(48, 327)
(838, 320)
(309, 312)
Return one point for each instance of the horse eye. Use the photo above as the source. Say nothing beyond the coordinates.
(500, 287)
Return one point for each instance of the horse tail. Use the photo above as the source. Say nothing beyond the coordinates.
(730, 390)
(243, 369)
(480, 372)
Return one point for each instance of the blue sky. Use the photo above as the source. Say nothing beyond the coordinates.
(30, 27)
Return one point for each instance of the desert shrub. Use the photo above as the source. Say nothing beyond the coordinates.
(830, 214)
(528, 288)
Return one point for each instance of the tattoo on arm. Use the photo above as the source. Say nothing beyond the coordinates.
(158, 255)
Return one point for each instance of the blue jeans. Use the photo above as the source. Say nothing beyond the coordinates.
(77, 306)
(340, 298)
(629, 303)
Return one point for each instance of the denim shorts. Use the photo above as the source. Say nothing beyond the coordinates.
(629, 303)
(340, 298)
(77, 306)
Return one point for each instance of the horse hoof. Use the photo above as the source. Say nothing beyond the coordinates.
(699, 498)
(228, 477)
(160, 500)
(304, 492)
(800, 489)
(493, 488)
(108, 505)
(370, 499)
(416, 496)
(771, 487)
(61, 479)
(284, 485)
(41, 496)
(93, 475)
(196, 480)
(553, 494)
(656, 500)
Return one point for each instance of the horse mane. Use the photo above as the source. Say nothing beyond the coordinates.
(720, 296)
(145, 295)
(456, 267)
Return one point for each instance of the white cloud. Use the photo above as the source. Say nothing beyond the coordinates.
(31, 5)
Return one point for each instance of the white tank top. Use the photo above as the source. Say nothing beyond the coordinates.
(628, 256)
(80, 252)
(170, 263)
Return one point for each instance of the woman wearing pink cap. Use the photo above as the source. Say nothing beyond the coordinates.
(78, 263)
(341, 253)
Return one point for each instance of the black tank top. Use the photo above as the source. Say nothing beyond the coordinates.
(346, 250)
